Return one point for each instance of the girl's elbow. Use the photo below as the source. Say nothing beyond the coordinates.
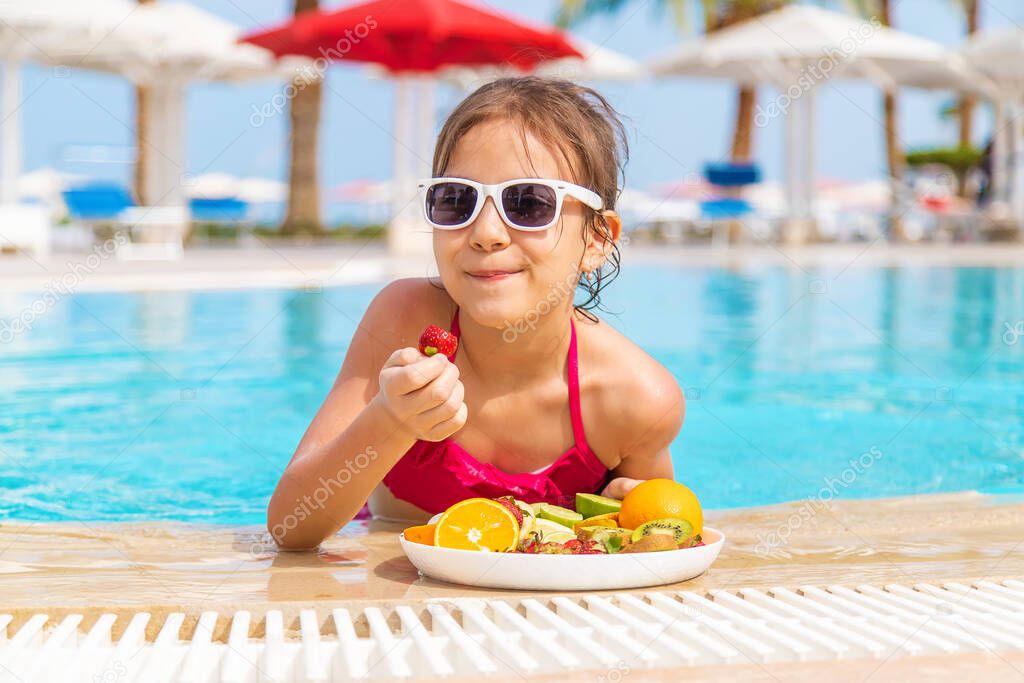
(288, 531)
(291, 539)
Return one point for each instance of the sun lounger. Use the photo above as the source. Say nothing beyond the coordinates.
(153, 232)
(231, 214)
(727, 214)
(25, 227)
(218, 210)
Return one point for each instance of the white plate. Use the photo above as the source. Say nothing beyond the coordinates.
(522, 571)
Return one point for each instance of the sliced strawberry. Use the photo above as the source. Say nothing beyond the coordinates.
(508, 502)
(437, 340)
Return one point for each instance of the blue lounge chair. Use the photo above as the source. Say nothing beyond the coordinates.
(218, 210)
(721, 213)
(729, 174)
(97, 202)
(156, 232)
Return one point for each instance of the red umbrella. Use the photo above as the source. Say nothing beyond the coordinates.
(408, 36)
(416, 35)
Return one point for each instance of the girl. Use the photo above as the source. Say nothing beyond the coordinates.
(522, 209)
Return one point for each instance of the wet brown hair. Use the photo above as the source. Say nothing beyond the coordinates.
(576, 123)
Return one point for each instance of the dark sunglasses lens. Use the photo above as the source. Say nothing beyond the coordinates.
(450, 203)
(529, 205)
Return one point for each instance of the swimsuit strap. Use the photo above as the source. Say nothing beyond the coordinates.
(575, 412)
(455, 323)
(574, 393)
(456, 331)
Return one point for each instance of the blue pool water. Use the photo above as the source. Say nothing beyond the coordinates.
(187, 405)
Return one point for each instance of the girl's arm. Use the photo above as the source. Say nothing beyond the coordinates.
(649, 431)
(371, 417)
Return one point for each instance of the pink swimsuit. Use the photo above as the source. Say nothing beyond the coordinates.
(435, 475)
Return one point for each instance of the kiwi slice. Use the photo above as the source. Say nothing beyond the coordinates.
(679, 529)
(557, 514)
(613, 540)
(591, 505)
(651, 543)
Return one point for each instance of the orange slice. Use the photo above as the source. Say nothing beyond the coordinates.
(421, 534)
(477, 524)
(610, 520)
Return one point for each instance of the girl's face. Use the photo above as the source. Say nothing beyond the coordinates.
(502, 276)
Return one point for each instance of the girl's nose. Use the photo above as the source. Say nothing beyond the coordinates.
(488, 231)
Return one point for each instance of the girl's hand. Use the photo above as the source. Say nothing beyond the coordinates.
(620, 486)
(423, 393)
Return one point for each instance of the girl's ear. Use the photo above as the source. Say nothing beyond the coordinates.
(602, 242)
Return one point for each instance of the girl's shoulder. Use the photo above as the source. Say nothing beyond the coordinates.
(399, 312)
(618, 359)
(634, 399)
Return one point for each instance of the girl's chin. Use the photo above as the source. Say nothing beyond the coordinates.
(498, 314)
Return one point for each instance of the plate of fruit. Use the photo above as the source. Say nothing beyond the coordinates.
(653, 536)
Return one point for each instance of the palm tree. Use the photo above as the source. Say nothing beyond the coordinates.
(303, 214)
(717, 14)
(893, 154)
(971, 11)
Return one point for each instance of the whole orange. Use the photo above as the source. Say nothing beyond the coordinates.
(660, 499)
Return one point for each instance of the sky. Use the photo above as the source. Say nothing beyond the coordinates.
(675, 125)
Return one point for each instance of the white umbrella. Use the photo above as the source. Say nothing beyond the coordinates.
(161, 39)
(163, 45)
(37, 30)
(999, 55)
(211, 186)
(261, 190)
(44, 185)
(797, 37)
(223, 185)
(798, 47)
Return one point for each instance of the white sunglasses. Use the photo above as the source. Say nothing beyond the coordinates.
(531, 204)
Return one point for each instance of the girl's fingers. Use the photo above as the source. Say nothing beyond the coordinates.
(447, 409)
(402, 357)
(414, 376)
(619, 487)
(437, 391)
(445, 429)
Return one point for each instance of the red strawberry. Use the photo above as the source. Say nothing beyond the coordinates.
(512, 507)
(437, 340)
(578, 547)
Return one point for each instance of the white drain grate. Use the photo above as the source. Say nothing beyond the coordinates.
(469, 637)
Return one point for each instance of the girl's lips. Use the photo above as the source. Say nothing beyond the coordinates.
(492, 275)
